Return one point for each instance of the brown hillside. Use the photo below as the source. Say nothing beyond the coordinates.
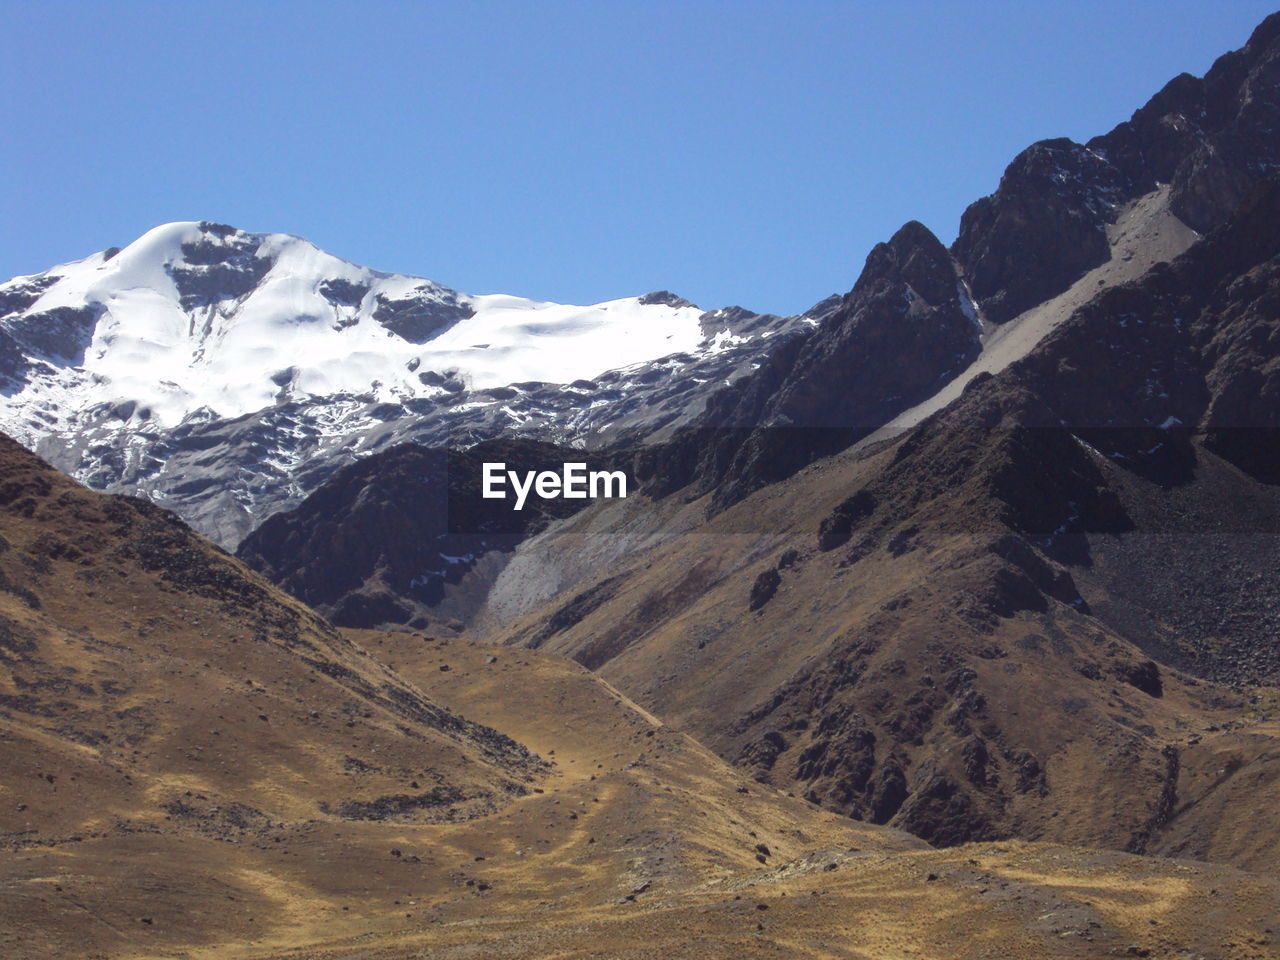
(1037, 614)
(149, 811)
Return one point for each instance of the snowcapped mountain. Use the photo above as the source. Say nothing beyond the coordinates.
(196, 317)
(225, 374)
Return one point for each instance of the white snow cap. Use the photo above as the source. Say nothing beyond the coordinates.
(264, 313)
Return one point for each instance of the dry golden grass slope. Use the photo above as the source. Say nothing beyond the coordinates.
(147, 810)
(913, 675)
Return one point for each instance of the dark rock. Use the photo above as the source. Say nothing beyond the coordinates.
(1042, 228)
(665, 297)
(575, 611)
(343, 292)
(1211, 139)
(836, 529)
(61, 334)
(18, 296)
(889, 793)
(1144, 676)
(897, 337)
(223, 264)
(421, 317)
(763, 590)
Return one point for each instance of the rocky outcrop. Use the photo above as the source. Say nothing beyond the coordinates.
(423, 316)
(1190, 347)
(1211, 139)
(59, 335)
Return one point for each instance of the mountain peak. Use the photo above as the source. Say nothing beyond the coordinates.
(1265, 33)
(1210, 139)
(915, 257)
(197, 314)
(915, 233)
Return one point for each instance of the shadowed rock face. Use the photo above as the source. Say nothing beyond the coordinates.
(61, 334)
(382, 540)
(1212, 139)
(667, 297)
(343, 292)
(222, 265)
(899, 334)
(894, 339)
(22, 295)
(1042, 228)
(1194, 344)
(424, 317)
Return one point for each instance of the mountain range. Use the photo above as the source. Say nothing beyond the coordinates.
(941, 619)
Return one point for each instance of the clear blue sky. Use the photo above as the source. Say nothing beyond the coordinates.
(734, 152)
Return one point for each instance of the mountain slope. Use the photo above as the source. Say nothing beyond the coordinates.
(988, 626)
(142, 662)
(905, 329)
(1211, 140)
(1065, 221)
